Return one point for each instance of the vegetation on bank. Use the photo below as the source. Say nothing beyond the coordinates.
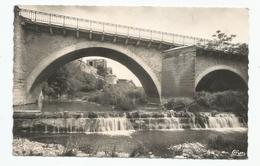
(68, 80)
(225, 101)
(122, 97)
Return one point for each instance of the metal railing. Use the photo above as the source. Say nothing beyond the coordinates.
(114, 29)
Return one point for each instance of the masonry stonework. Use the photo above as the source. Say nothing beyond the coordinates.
(32, 47)
(206, 63)
(178, 72)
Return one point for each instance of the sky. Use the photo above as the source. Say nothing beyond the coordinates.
(198, 22)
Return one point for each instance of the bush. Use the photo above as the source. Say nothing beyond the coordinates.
(59, 84)
(125, 103)
(121, 98)
(226, 101)
(68, 80)
(88, 82)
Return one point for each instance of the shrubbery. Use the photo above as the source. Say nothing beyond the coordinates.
(226, 101)
(121, 98)
(59, 84)
(68, 80)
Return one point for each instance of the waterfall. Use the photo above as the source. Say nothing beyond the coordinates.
(110, 124)
(162, 123)
(116, 123)
(224, 121)
(40, 101)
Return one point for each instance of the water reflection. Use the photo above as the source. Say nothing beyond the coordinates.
(63, 105)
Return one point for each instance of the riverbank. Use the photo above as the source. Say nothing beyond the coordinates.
(25, 147)
(195, 150)
(200, 151)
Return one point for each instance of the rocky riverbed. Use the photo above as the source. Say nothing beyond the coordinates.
(25, 147)
(199, 151)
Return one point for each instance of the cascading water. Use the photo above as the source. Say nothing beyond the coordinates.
(109, 124)
(224, 121)
(162, 123)
(85, 125)
(122, 122)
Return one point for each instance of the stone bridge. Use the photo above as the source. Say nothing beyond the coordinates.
(167, 65)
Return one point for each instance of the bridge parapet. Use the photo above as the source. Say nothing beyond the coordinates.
(108, 28)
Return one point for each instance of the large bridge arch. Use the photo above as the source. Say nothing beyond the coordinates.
(124, 56)
(221, 68)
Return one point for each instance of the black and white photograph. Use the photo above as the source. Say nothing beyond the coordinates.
(120, 83)
(130, 82)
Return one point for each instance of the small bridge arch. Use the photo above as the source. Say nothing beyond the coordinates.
(242, 80)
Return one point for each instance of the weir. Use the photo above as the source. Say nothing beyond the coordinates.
(106, 122)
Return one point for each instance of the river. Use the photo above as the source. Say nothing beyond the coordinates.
(100, 131)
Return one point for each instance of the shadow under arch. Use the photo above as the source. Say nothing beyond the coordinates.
(220, 78)
(122, 55)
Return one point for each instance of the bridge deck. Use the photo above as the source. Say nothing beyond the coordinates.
(109, 28)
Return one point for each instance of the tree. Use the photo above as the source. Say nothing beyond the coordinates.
(88, 82)
(58, 84)
(223, 42)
